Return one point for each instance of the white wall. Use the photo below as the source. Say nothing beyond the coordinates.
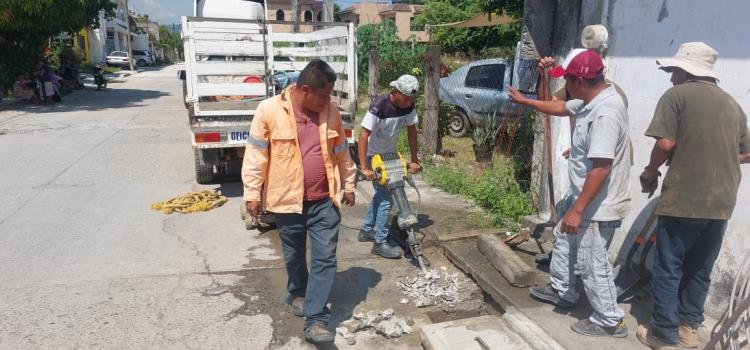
(638, 37)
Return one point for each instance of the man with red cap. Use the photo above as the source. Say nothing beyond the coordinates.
(599, 168)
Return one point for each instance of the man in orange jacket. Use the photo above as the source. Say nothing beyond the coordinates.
(297, 155)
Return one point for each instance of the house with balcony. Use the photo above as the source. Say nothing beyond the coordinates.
(402, 15)
(281, 10)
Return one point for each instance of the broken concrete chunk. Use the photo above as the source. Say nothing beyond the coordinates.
(387, 313)
(404, 301)
(350, 338)
(431, 288)
(353, 325)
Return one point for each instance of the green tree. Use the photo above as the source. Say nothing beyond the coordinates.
(511, 7)
(25, 26)
(169, 40)
(471, 40)
(396, 57)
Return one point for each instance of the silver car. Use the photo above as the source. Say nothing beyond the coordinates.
(476, 89)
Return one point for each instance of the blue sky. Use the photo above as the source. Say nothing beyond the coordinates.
(170, 11)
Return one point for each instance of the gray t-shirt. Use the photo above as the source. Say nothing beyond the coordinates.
(601, 131)
(384, 132)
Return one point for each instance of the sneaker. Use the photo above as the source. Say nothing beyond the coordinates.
(688, 337)
(298, 306)
(366, 236)
(591, 329)
(386, 250)
(318, 333)
(644, 336)
(549, 295)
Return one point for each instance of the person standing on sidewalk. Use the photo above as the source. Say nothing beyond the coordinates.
(599, 169)
(297, 155)
(387, 116)
(703, 132)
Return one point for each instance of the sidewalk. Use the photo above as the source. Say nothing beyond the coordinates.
(466, 255)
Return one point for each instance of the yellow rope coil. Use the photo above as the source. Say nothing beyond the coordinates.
(190, 203)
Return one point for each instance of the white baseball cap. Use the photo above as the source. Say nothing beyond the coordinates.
(696, 58)
(407, 85)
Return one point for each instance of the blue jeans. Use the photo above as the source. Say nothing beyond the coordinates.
(377, 212)
(684, 256)
(320, 220)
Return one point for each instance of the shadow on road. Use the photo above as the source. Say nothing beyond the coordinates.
(351, 289)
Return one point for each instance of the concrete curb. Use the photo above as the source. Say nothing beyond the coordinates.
(505, 260)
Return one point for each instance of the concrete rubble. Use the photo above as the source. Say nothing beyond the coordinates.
(385, 323)
(432, 288)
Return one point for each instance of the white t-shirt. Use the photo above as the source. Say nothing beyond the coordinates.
(384, 132)
(601, 131)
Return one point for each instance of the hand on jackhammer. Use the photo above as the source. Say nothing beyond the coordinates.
(368, 174)
(253, 208)
(649, 181)
(414, 168)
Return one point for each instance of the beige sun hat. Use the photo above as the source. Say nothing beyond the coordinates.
(696, 58)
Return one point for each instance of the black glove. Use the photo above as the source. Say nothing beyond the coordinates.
(649, 181)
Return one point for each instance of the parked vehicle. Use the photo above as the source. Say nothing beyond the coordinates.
(477, 89)
(118, 58)
(231, 64)
(142, 58)
(99, 79)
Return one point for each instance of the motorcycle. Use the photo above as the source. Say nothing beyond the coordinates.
(99, 79)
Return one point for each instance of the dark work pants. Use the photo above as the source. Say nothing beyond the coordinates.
(686, 250)
(320, 221)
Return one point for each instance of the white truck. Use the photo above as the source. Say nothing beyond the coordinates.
(235, 57)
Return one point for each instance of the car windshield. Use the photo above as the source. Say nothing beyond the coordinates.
(119, 54)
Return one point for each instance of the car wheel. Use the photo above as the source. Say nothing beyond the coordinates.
(141, 63)
(459, 124)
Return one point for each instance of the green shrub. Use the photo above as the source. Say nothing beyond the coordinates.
(494, 189)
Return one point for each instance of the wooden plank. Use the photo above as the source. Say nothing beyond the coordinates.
(228, 36)
(225, 27)
(242, 89)
(319, 51)
(229, 106)
(323, 34)
(229, 48)
(229, 68)
(338, 67)
(505, 260)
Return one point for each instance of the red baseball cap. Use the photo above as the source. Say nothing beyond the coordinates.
(584, 63)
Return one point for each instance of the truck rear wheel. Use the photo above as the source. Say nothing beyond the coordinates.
(204, 173)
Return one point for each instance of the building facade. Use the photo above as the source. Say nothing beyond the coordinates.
(402, 15)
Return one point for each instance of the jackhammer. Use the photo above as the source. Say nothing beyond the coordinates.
(391, 172)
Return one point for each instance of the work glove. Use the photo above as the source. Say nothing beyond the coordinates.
(649, 181)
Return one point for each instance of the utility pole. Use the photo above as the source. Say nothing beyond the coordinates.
(328, 11)
(130, 46)
(295, 15)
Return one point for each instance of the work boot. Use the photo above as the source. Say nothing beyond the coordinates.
(644, 336)
(298, 306)
(318, 333)
(688, 337)
(366, 236)
(386, 250)
(549, 295)
(586, 327)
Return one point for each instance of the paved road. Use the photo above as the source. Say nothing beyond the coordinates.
(85, 264)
